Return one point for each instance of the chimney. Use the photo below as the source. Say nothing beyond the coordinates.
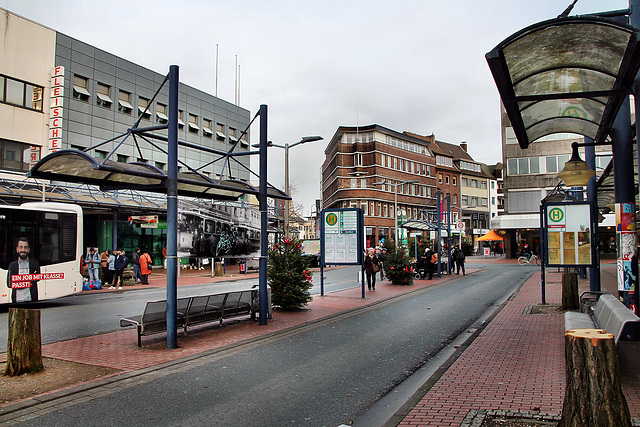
(463, 145)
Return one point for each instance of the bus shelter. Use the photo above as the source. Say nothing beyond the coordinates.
(79, 167)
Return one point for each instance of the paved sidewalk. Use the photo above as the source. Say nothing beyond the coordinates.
(515, 364)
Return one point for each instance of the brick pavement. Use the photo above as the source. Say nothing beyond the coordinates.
(516, 363)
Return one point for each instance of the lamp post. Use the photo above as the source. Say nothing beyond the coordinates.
(286, 148)
(395, 200)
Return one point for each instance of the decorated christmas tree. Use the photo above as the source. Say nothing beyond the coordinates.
(397, 266)
(289, 276)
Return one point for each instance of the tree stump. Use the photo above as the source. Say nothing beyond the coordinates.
(593, 396)
(570, 298)
(24, 347)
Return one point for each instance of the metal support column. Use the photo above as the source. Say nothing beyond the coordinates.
(172, 210)
(623, 168)
(262, 200)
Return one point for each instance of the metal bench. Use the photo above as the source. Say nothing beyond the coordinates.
(154, 318)
(607, 313)
(194, 311)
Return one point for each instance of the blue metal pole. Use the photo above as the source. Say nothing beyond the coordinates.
(172, 210)
(264, 224)
(623, 169)
(439, 222)
(594, 272)
(543, 230)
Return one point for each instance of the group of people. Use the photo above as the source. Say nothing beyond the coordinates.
(457, 261)
(113, 264)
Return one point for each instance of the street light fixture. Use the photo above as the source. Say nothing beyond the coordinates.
(286, 148)
(576, 173)
(395, 201)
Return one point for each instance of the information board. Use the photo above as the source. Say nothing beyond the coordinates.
(568, 230)
(341, 229)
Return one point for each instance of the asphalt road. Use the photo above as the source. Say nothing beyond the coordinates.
(325, 374)
(89, 314)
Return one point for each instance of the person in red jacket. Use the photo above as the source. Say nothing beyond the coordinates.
(145, 266)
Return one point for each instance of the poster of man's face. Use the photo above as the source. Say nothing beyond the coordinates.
(23, 249)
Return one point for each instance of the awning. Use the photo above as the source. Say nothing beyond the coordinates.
(565, 75)
(80, 167)
(491, 235)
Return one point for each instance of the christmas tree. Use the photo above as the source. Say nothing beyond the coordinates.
(397, 266)
(289, 276)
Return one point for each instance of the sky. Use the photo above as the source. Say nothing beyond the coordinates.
(408, 65)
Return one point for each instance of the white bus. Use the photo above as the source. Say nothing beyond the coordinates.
(53, 234)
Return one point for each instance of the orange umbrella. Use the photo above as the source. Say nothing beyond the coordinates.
(491, 235)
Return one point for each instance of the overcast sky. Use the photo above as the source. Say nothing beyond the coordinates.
(414, 65)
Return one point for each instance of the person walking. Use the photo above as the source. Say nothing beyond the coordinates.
(454, 259)
(92, 259)
(371, 268)
(460, 261)
(135, 262)
(145, 266)
(119, 264)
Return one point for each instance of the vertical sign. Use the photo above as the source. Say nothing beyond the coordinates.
(568, 234)
(56, 109)
(627, 243)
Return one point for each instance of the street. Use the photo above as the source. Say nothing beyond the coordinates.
(327, 373)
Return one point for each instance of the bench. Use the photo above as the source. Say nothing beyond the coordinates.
(194, 311)
(607, 313)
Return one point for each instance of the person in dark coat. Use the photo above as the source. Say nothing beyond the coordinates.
(381, 258)
(460, 261)
(120, 264)
(371, 268)
(23, 265)
(428, 255)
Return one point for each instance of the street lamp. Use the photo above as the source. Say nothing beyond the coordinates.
(576, 173)
(286, 148)
(395, 200)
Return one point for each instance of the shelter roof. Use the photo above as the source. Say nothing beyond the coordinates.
(568, 74)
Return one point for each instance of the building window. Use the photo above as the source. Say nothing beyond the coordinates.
(100, 155)
(439, 178)
(143, 110)
(180, 119)
(122, 158)
(220, 135)
(160, 165)
(193, 124)
(124, 102)
(232, 136)
(455, 181)
(206, 128)
(455, 199)
(12, 157)
(21, 94)
(446, 179)
(102, 97)
(357, 159)
(354, 182)
(80, 91)
(363, 182)
(161, 114)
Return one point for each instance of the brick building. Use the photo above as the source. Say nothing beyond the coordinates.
(366, 166)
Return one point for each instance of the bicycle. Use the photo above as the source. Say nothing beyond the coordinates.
(523, 260)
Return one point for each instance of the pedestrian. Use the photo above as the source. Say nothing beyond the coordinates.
(145, 266)
(164, 257)
(120, 264)
(135, 262)
(460, 261)
(104, 256)
(454, 259)
(92, 259)
(381, 258)
(428, 259)
(371, 268)
(111, 266)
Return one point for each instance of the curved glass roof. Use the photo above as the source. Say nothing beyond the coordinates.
(565, 75)
(78, 166)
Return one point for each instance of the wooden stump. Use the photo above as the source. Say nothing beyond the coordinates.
(570, 298)
(217, 269)
(24, 347)
(593, 395)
